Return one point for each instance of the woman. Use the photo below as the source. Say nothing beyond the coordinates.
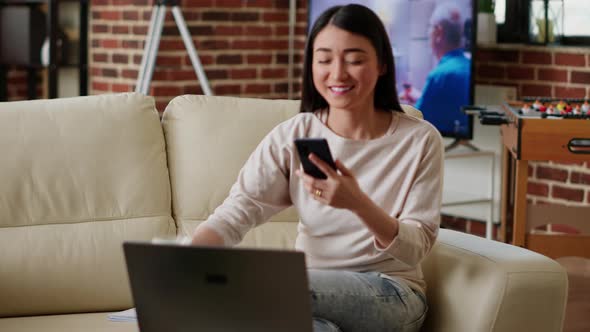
(366, 227)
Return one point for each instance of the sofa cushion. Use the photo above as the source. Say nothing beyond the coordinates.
(79, 176)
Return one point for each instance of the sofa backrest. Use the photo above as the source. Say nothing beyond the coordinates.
(78, 176)
(208, 139)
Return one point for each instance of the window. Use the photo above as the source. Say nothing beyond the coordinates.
(512, 19)
(500, 11)
(576, 25)
(577, 13)
(523, 21)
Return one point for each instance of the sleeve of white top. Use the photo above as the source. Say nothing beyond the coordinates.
(261, 190)
(419, 220)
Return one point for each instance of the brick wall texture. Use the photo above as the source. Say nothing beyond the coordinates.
(243, 47)
(242, 44)
(558, 72)
(16, 89)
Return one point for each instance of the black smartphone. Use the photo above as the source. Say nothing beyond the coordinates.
(319, 147)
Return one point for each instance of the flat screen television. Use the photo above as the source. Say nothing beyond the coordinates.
(433, 44)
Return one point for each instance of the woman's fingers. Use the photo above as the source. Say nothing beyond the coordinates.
(345, 171)
(316, 187)
(325, 168)
(309, 182)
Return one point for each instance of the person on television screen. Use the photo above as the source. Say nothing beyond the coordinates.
(409, 94)
(447, 86)
(365, 228)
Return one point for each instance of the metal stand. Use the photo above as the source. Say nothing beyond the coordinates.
(148, 60)
(459, 142)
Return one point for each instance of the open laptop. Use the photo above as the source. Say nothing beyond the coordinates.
(179, 288)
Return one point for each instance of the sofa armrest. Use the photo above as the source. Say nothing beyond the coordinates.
(476, 284)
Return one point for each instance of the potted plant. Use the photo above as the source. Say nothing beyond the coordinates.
(486, 6)
(486, 22)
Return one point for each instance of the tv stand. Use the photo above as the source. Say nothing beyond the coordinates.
(462, 202)
(460, 142)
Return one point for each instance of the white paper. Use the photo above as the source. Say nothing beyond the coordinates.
(123, 316)
(182, 240)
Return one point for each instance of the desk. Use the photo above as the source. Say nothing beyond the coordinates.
(527, 139)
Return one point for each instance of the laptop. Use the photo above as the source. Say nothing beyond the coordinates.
(180, 288)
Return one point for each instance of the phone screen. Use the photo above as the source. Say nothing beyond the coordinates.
(319, 147)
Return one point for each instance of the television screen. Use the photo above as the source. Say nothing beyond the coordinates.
(432, 43)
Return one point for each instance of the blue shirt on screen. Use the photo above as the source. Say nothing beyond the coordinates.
(446, 90)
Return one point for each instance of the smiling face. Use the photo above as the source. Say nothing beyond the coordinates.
(345, 69)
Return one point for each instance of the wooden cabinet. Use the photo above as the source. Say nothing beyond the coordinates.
(54, 62)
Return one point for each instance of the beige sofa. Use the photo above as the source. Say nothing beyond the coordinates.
(79, 176)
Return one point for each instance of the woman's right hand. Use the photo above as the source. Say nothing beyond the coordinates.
(205, 236)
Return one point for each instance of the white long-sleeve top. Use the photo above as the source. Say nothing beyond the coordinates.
(400, 171)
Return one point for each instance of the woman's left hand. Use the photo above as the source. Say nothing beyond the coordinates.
(339, 190)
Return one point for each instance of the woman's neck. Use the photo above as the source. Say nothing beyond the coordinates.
(362, 125)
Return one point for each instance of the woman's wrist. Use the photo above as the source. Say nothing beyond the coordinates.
(205, 236)
(384, 227)
(363, 205)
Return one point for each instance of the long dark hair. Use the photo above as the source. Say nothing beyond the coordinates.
(362, 21)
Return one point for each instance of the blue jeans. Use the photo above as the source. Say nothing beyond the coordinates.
(344, 301)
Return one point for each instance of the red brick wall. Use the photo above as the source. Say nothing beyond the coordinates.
(557, 72)
(241, 43)
(16, 88)
(565, 184)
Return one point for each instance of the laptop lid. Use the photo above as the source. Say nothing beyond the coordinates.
(179, 288)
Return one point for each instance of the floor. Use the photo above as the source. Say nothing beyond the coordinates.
(577, 315)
